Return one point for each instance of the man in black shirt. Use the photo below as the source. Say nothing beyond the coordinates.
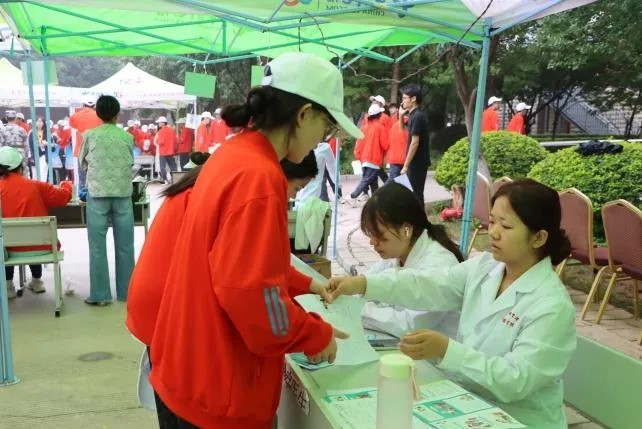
(418, 153)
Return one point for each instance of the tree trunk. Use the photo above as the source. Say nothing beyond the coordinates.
(462, 87)
(394, 88)
(629, 122)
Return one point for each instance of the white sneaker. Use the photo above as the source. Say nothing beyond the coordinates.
(363, 198)
(11, 290)
(36, 286)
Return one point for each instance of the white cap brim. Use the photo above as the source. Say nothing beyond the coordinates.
(346, 124)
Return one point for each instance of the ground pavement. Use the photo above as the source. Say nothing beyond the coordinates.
(79, 371)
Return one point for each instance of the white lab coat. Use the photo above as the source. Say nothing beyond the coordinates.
(397, 320)
(513, 349)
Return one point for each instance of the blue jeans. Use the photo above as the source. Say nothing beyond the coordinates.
(394, 172)
(368, 180)
(101, 212)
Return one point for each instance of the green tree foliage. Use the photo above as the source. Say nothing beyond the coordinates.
(84, 72)
(602, 178)
(507, 154)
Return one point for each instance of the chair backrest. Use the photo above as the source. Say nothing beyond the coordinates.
(577, 222)
(500, 182)
(31, 231)
(481, 200)
(623, 228)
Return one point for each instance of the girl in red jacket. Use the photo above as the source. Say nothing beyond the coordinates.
(226, 322)
(23, 197)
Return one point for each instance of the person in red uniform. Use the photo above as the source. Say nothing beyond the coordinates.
(204, 133)
(23, 197)
(167, 144)
(218, 129)
(398, 139)
(517, 122)
(370, 152)
(20, 121)
(81, 121)
(490, 117)
(228, 319)
(185, 142)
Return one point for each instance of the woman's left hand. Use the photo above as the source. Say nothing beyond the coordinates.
(424, 344)
(320, 289)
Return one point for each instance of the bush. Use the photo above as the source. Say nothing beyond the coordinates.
(507, 154)
(602, 178)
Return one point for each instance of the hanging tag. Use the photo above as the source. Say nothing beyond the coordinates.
(416, 392)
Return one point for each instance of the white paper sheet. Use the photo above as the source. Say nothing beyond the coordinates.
(403, 180)
(344, 314)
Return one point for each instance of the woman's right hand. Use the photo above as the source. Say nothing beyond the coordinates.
(329, 354)
(338, 286)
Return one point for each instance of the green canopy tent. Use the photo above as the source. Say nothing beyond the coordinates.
(234, 30)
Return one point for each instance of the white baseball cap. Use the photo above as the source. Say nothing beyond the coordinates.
(161, 119)
(374, 109)
(136, 122)
(522, 106)
(144, 128)
(130, 123)
(379, 99)
(206, 115)
(10, 157)
(218, 111)
(493, 100)
(20, 115)
(182, 121)
(89, 101)
(314, 79)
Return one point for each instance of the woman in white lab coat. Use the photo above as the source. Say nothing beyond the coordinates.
(517, 328)
(395, 222)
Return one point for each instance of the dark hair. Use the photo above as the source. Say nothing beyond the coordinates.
(107, 108)
(4, 170)
(394, 205)
(393, 105)
(268, 108)
(538, 207)
(189, 179)
(412, 90)
(305, 169)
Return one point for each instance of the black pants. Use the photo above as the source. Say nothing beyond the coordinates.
(417, 178)
(368, 179)
(167, 419)
(327, 180)
(36, 272)
(383, 175)
(167, 161)
(60, 174)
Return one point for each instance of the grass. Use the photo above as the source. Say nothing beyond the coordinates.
(576, 276)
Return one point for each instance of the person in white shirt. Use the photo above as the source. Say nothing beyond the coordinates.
(517, 329)
(325, 160)
(401, 234)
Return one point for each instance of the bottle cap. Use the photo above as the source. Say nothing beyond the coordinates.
(396, 366)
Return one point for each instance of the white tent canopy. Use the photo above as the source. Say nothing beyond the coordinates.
(135, 88)
(14, 93)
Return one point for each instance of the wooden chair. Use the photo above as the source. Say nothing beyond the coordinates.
(500, 182)
(35, 231)
(623, 227)
(481, 207)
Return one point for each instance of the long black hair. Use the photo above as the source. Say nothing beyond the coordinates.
(393, 206)
(189, 179)
(539, 208)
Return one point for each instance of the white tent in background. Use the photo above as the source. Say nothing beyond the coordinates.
(135, 88)
(14, 93)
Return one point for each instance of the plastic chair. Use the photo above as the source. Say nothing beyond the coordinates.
(500, 182)
(623, 227)
(577, 222)
(481, 207)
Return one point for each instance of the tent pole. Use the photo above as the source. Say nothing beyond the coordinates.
(47, 125)
(475, 141)
(337, 174)
(7, 377)
(32, 111)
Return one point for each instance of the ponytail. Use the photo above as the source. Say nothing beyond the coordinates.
(4, 170)
(558, 246)
(438, 233)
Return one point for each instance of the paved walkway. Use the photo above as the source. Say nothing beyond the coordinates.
(79, 371)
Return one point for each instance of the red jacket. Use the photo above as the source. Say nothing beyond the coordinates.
(398, 139)
(218, 131)
(227, 320)
(490, 120)
(203, 137)
(64, 137)
(374, 144)
(186, 140)
(516, 124)
(23, 197)
(166, 141)
(83, 120)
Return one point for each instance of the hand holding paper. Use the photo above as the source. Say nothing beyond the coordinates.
(338, 286)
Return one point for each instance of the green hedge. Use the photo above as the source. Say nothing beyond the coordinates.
(507, 154)
(602, 178)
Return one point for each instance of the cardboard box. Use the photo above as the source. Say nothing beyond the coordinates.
(318, 263)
